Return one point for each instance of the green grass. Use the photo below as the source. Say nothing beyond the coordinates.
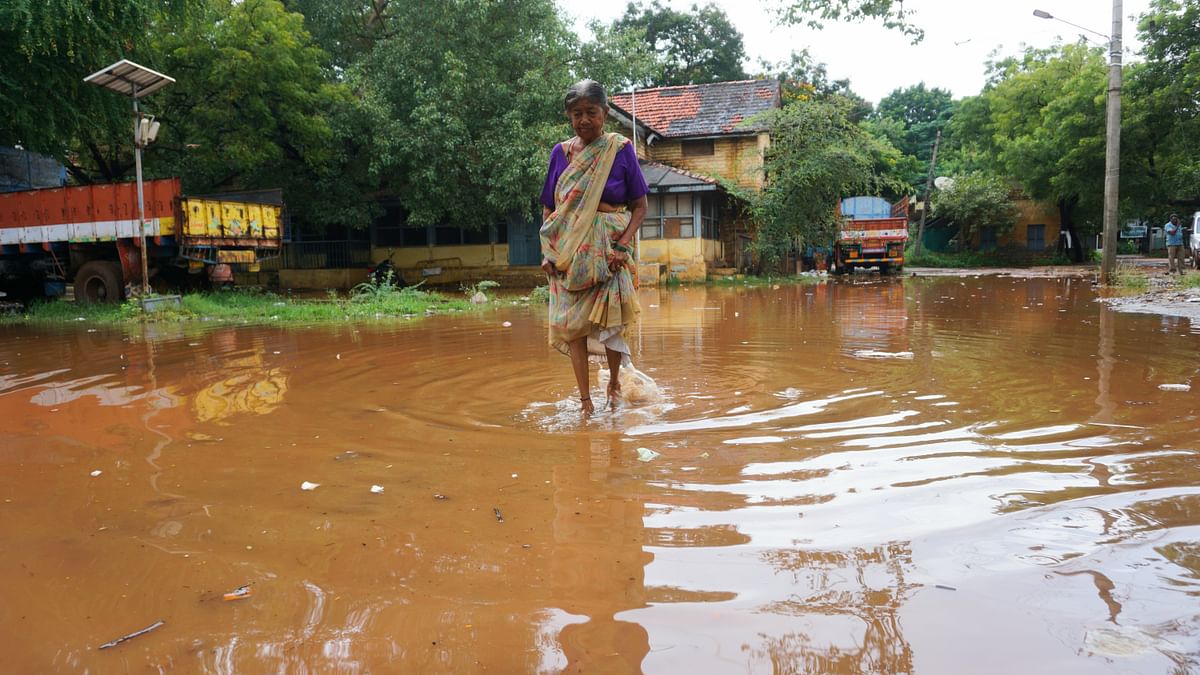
(756, 281)
(363, 304)
(1131, 278)
(1001, 257)
(1190, 280)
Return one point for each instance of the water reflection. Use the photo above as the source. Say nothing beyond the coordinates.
(877, 476)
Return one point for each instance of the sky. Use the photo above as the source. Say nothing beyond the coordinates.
(959, 37)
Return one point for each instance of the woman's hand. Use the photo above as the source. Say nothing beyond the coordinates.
(616, 260)
(549, 268)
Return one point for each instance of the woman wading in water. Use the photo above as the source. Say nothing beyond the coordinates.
(593, 203)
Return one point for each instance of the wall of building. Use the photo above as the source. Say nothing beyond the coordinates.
(1031, 213)
(738, 159)
(681, 259)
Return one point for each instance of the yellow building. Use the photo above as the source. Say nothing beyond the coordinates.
(695, 140)
(1037, 229)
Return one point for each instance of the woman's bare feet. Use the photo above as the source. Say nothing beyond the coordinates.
(586, 407)
(614, 394)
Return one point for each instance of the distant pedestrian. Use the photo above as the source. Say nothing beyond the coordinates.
(1174, 244)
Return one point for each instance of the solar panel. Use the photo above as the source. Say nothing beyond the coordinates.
(128, 78)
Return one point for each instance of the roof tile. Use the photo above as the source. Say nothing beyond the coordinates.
(712, 109)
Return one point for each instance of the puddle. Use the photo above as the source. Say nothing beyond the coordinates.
(914, 475)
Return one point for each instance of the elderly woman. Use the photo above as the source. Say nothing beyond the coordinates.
(593, 203)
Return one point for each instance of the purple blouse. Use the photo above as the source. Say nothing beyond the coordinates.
(625, 182)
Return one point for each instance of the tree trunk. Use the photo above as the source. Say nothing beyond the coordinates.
(1066, 213)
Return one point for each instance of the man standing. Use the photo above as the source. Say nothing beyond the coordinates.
(1174, 244)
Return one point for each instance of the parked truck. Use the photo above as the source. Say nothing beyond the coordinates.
(90, 236)
(873, 233)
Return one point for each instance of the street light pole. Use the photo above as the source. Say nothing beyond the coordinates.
(1112, 155)
(1112, 140)
(137, 161)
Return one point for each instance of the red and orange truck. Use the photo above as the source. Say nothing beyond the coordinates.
(873, 233)
(90, 236)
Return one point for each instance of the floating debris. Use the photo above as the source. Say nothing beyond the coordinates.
(137, 633)
(872, 354)
(377, 489)
(309, 486)
(239, 593)
(97, 472)
(646, 455)
(507, 324)
(499, 517)
(440, 496)
(1175, 387)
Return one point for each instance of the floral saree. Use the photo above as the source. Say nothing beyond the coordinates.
(586, 299)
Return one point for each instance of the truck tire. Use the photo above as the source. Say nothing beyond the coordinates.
(99, 281)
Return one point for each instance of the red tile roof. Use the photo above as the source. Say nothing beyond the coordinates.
(713, 109)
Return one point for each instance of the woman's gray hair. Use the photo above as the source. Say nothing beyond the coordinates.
(585, 90)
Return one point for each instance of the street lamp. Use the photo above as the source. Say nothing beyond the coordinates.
(127, 77)
(1112, 139)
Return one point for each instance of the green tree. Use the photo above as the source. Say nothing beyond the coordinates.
(818, 156)
(254, 107)
(466, 104)
(802, 77)
(813, 13)
(1040, 120)
(49, 47)
(974, 201)
(922, 112)
(1160, 137)
(694, 47)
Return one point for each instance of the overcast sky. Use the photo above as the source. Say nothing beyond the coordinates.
(959, 36)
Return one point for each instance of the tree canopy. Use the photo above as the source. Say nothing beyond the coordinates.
(974, 201)
(49, 47)
(818, 156)
(697, 46)
(814, 13)
(1040, 121)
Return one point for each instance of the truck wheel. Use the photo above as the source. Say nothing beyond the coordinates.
(98, 281)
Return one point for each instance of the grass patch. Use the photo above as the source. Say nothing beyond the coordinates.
(1005, 256)
(1190, 280)
(1130, 278)
(757, 281)
(375, 303)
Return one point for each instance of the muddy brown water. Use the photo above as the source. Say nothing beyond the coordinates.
(953, 475)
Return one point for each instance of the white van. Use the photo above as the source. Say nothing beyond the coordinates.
(1194, 241)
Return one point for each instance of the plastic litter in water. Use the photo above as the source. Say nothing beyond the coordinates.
(309, 486)
(239, 593)
(646, 454)
(507, 324)
(377, 489)
(872, 354)
(97, 472)
(636, 386)
(1175, 387)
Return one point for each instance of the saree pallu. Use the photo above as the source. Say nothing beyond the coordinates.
(586, 299)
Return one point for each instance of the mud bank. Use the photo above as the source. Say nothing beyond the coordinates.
(1167, 301)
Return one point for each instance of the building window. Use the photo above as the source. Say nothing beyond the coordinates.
(677, 214)
(1035, 237)
(652, 224)
(700, 148)
(987, 239)
(709, 225)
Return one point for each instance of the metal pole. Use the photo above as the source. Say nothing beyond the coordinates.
(1112, 155)
(928, 188)
(137, 160)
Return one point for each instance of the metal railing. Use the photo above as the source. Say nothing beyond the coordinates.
(315, 255)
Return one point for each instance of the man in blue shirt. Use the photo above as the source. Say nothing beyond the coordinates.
(1174, 233)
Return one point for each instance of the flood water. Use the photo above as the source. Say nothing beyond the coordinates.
(975, 475)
